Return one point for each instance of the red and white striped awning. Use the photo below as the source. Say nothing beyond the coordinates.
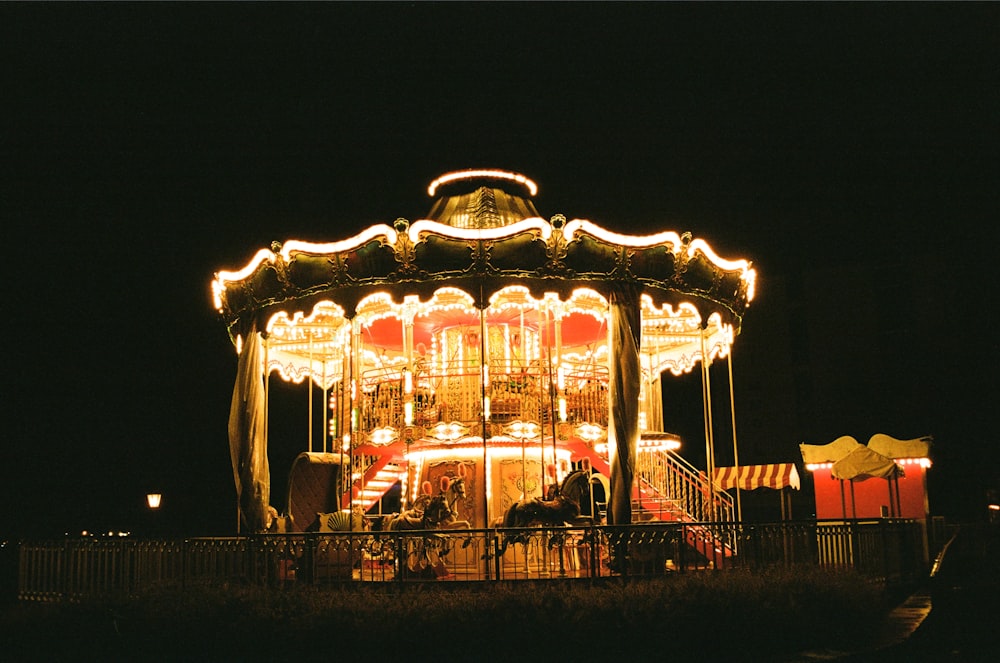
(749, 477)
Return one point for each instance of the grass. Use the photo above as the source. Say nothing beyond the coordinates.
(735, 615)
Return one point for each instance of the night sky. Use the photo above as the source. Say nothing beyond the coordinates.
(849, 150)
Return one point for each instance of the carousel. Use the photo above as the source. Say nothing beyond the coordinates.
(482, 342)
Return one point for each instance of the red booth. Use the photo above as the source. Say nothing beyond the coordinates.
(885, 478)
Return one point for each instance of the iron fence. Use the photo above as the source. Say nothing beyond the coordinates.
(884, 550)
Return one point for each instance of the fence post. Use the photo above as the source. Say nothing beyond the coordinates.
(883, 527)
(681, 549)
(592, 552)
(400, 557)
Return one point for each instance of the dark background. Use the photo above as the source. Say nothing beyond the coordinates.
(850, 150)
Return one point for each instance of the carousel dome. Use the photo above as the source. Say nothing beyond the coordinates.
(482, 199)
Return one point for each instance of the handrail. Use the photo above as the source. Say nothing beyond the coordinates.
(672, 488)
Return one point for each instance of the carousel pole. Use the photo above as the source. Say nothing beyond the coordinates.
(549, 333)
(484, 393)
(540, 347)
(522, 391)
(706, 399)
(655, 401)
(736, 452)
(309, 414)
(408, 314)
(343, 407)
(326, 409)
(560, 387)
(355, 400)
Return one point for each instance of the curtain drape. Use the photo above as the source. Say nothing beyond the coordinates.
(247, 438)
(623, 393)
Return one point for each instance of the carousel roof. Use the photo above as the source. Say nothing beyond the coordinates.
(482, 235)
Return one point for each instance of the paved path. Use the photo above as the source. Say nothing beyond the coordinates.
(955, 617)
(964, 622)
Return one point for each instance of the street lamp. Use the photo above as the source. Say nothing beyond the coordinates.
(153, 500)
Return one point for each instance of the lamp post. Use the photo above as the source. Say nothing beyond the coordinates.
(153, 501)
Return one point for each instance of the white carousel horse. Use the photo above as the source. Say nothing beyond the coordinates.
(409, 519)
(453, 491)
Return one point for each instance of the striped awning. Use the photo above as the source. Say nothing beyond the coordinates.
(749, 477)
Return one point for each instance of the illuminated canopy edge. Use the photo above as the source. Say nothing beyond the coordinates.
(668, 267)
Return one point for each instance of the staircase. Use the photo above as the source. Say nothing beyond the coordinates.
(378, 473)
(668, 488)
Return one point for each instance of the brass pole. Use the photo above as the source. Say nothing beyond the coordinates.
(736, 452)
(706, 395)
(483, 376)
(309, 414)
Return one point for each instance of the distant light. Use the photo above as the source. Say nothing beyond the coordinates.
(994, 507)
(153, 500)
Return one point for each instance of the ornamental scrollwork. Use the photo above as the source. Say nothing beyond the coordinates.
(556, 248)
(481, 250)
(405, 250)
(281, 268)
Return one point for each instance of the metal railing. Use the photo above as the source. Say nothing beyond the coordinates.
(886, 550)
(452, 391)
(670, 488)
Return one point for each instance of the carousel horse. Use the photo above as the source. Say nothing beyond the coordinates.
(566, 504)
(444, 506)
(409, 519)
(435, 513)
(431, 512)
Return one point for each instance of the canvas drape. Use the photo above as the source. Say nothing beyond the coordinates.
(623, 394)
(247, 436)
(863, 463)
